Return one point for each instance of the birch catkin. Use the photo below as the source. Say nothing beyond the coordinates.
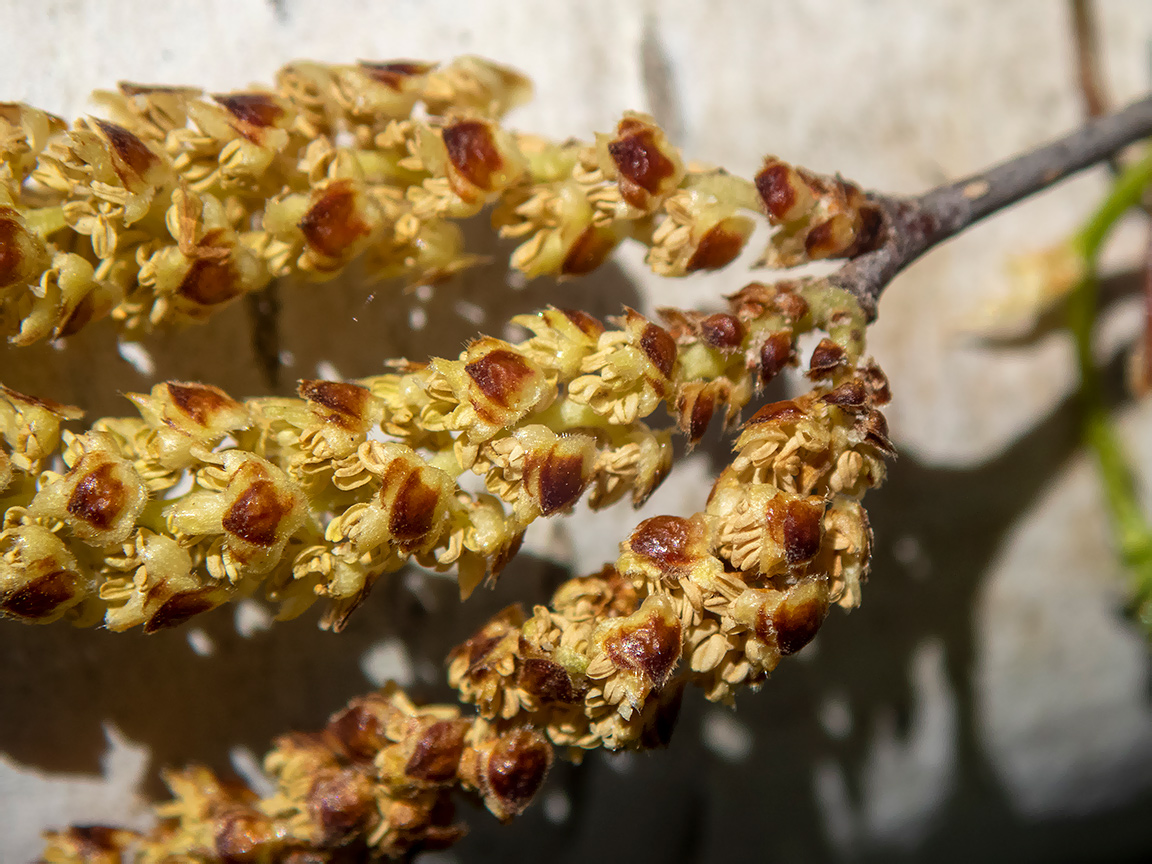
(203, 499)
(181, 203)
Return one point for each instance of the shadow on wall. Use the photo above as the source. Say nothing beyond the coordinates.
(61, 685)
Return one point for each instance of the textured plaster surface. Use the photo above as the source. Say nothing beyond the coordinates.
(986, 699)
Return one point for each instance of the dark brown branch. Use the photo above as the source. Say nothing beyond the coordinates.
(912, 226)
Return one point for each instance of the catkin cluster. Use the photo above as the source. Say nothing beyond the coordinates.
(180, 202)
(202, 499)
(714, 600)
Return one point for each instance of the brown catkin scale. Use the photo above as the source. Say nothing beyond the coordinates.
(479, 666)
(99, 499)
(39, 578)
(819, 217)
(507, 770)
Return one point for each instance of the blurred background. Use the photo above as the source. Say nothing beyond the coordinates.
(988, 699)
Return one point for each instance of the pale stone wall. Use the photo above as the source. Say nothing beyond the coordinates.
(986, 697)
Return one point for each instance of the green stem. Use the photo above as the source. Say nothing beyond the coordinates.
(1133, 532)
(1126, 192)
